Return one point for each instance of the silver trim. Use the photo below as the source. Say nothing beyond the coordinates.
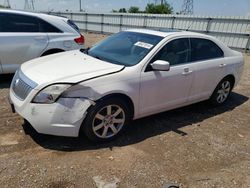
(21, 85)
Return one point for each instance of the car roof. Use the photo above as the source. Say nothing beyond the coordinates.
(167, 32)
(172, 33)
(37, 14)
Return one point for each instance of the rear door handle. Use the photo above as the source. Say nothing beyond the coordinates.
(186, 71)
(222, 65)
(41, 39)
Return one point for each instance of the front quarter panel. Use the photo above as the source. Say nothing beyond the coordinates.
(125, 82)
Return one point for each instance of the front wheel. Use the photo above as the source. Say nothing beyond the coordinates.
(106, 120)
(221, 92)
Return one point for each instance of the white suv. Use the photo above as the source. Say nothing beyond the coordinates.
(25, 36)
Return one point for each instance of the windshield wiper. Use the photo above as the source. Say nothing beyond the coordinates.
(86, 50)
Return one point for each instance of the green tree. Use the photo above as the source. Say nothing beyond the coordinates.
(134, 9)
(1, 6)
(122, 10)
(164, 8)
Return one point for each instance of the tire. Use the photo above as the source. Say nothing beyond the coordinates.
(106, 120)
(221, 92)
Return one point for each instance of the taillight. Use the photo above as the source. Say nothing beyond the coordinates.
(80, 40)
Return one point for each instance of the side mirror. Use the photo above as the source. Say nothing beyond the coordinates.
(160, 65)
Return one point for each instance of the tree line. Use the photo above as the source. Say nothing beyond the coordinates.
(2, 6)
(164, 8)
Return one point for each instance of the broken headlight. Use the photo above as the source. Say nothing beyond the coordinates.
(51, 93)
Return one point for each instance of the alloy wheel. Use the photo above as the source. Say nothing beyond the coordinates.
(223, 91)
(108, 121)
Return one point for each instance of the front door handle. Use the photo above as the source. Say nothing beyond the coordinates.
(186, 71)
(222, 65)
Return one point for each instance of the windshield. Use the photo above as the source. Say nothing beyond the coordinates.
(125, 48)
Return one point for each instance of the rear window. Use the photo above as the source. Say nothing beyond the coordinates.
(203, 49)
(48, 28)
(73, 25)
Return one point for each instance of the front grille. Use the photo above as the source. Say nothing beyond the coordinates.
(20, 87)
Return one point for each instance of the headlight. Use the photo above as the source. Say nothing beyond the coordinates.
(51, 93)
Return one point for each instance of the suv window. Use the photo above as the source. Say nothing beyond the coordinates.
(175, 52)
(47, 27)
(73, 25)
(1, 22)
(18, 23)
(21, 23)
(203, 49)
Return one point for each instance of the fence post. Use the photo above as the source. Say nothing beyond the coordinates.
(172, 25)
(102, 22)
(145, 21)
(86, 23)
(248, 44)
(121, 21)
(208, 25)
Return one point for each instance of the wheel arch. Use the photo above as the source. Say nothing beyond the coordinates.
(52, 51)
(125, 97)
(231, 77)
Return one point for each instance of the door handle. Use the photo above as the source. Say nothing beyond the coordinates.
(186, 71)
(222, 65)
(40, 39)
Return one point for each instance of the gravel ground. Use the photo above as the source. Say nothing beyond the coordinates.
(196, 146)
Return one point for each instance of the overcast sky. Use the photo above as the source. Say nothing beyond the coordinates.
(201, 7)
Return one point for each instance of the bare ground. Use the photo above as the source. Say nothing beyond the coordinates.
(196, 146)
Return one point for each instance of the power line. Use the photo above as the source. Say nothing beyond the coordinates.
(188, 7)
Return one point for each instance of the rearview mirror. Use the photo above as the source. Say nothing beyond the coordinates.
(160, 65)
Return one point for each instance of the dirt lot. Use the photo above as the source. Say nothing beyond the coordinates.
(196, 146)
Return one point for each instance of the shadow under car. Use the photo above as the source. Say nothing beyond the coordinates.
(141, 129)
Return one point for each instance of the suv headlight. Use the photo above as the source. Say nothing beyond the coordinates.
(50, 94)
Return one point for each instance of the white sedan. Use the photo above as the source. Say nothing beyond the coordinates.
(129, 75)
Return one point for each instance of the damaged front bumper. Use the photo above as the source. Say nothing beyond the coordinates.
(62, 118)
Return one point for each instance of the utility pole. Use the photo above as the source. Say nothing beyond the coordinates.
(161, 2)
(80, 3)
(29, 5)
(7, 4)
(188, 7)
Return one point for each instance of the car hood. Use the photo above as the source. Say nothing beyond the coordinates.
(71, 67)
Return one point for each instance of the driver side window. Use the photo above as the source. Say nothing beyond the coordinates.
(175, 52)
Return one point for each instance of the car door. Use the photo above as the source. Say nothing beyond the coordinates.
(209, 64)
(21, 40)
(163, 90)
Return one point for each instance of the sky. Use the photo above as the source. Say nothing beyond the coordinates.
(201, 7)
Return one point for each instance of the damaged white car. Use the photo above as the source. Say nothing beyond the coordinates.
(129, 75)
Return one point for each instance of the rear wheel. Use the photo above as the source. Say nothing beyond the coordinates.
(222, 92)
(106, 120)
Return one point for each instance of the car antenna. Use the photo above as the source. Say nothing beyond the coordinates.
(189, 27)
